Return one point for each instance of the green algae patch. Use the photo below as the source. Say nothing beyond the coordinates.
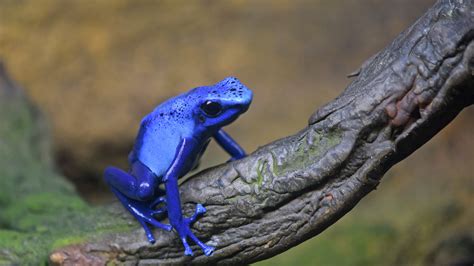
(261, 166)
(22, 248)
(35, 235)
(11, 239)
(39, 211)
(309, 149)
(66, 241)
(31, 248)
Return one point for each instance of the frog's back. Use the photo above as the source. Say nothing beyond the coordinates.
(160, 134)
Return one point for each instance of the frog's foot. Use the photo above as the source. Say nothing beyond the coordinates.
(143, 212)
(200, 210)
(184, 231)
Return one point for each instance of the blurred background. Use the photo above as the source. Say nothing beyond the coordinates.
(95, 68)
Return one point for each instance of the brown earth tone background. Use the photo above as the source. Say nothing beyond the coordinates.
(96, 68)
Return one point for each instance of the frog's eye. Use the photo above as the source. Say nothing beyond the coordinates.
(211, 108)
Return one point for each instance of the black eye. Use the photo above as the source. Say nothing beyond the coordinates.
(211, 108)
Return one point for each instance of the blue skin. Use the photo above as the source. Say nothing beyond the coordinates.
(169, 144)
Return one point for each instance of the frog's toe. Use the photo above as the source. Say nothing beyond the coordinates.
(146, 219)
(158, 211)
(209, 250)
(205, 248)
(149, 234)
(155, 223)
(157, 202)
(184, 231)
(187, 249)
(200, 209)
(145, 214)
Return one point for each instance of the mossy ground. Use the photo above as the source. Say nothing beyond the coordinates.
(39, 210)
(36, 235)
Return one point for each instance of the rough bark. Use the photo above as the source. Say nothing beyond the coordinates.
(292, 189)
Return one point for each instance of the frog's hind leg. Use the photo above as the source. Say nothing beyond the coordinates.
(136, 201)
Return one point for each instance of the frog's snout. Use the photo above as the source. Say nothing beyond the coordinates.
(246, 98)
(240, 93)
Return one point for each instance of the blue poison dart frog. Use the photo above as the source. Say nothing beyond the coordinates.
(169, 144)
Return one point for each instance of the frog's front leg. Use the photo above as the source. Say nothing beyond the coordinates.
(136, 191)
(229, 145)
(186, 149)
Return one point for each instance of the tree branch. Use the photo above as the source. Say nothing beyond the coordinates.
(292, 189)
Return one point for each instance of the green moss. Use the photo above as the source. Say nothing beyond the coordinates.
(16, 247)
(261, 166)
(304, 154)
(68, 241)
(35, 235)
(36, 211)
(11, 238)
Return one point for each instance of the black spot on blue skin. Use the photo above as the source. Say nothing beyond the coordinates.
(201, 119)
(233, 89)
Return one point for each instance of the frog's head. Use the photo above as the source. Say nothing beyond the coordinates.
(220, 104)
